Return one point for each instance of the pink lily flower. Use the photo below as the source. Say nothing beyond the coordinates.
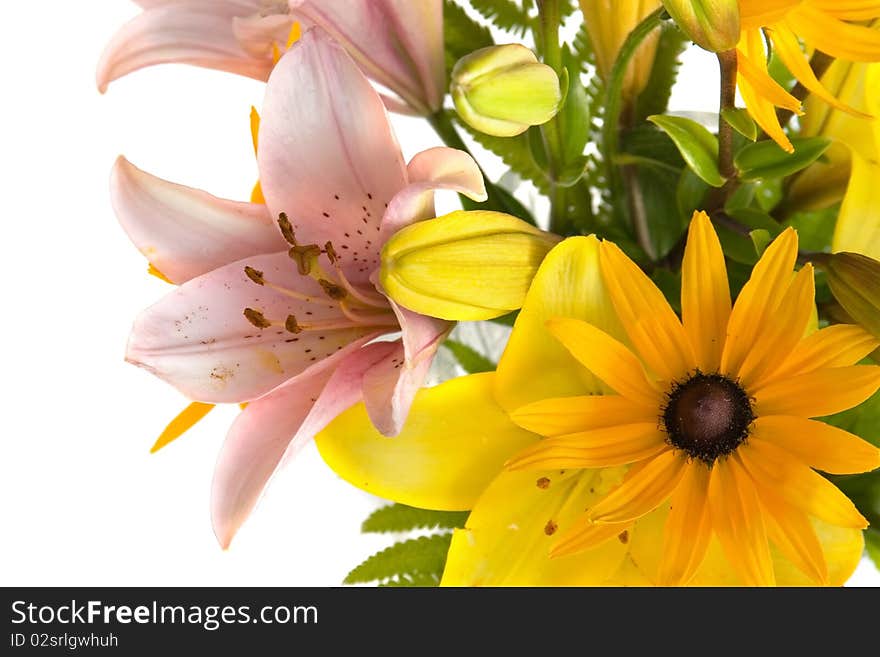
(288, 320)
(397, 43)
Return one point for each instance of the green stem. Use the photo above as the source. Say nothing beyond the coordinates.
(551, 132)
(611, 127)
(727, 65)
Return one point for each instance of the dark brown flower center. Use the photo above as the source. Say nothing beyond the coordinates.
(707, 416)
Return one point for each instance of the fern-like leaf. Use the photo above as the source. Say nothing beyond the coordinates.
(507, 14)
(401, 518)
(515, 153)
(655, 96)
(462, 34)
(416, 562)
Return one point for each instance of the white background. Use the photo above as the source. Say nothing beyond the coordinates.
(83, 501)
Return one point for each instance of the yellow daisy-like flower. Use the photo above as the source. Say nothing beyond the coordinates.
(821, 24)
(670, 450)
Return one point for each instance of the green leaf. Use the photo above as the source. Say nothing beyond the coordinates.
(507, 15)
(462, 34)
(736, 246)
(416, 562)
(689, 194)
(739, 120)
(760, 238)
(575, 116)
(863, 420)
(815, 228)
(654, 98)
(872, 545)
(756, 220)
(697, 146)
(515, 152)
(401, 518)
(470, 359)
(765, 159)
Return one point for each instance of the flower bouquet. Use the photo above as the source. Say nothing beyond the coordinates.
(639, 349)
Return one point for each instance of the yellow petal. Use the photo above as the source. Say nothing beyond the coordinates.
(647, 318)
(849, 10)
(688, 527)
(858, 223)
(785, 44)
(644, 488)
(607, 358)
(454, 442)
(705, 293)
(757, 302)
(738, 522)
(585, 535)
(791, 532)
(568, 284)
(818, 393)
(839, 345)
(856, 43)
(597, 448)
(257, 194)
(185, 420)
(774, 468)
(564, 415)
(466, 265)
(757, 13)
(511, 530)
(152, 271)
(817, 444)
(776, 339)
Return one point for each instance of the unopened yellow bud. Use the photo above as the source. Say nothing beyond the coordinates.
(464, 265)
(502, 90)
(854, 280)
(711, 24)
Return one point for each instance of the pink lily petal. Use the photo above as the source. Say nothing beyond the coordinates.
(257, 34)
(327, 155)
(272, 429)
(186, 232)
(398, 43)
(391, 384)
(198, 340)
(430, 170)
(198, 32)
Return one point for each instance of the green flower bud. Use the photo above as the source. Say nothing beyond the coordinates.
(502, 90)
(464, 265)
(711, 24)
(854, 280)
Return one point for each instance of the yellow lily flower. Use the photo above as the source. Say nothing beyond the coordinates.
(821, 24)
(616, 444)
(609, 22)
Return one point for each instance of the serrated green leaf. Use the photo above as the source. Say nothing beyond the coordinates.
(697, 146)
(470, 359)
(739, 119)
(765, 159)
(401, 518)
(423, 558)
(654, 98)
(462, 35)
(506, 14)
(514, 152)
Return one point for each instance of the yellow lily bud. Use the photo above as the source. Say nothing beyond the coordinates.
(464, 265)
(502, 90)
(711, 24)
(854, 280)
(609, 22)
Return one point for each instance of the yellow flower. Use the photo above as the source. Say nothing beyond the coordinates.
(609, 22)
(674, 451)
(821, 24)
